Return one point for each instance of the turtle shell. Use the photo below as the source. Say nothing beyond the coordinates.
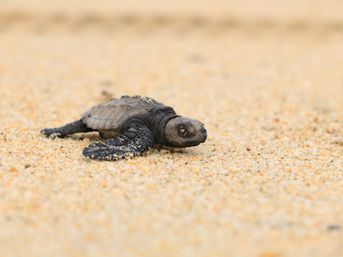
(111, 115)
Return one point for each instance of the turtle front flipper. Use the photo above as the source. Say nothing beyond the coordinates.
(134, 141)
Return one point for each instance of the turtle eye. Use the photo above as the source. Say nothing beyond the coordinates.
(185, 130)
(182, 130)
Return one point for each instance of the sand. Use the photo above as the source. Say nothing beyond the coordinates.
(268, 182)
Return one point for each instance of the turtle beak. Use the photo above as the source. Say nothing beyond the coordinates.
(203, 134)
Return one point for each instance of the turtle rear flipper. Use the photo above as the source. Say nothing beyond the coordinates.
(134, 141)
(70, 128)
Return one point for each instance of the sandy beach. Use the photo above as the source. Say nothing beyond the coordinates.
(268, 182)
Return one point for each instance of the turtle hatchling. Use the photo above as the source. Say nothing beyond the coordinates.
(132, 125)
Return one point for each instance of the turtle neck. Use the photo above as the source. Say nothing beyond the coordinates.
(158, 121)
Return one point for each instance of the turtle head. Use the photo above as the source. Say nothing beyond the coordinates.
(184, 132)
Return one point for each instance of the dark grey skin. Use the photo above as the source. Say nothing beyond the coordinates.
(131, 126)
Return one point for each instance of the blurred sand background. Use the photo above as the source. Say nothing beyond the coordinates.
(266, 77)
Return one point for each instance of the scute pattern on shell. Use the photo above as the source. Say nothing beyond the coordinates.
(111, 115)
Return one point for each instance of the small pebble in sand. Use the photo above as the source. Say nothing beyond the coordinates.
(337, 141)
(106, 95)
(333, 227)
(13, 170)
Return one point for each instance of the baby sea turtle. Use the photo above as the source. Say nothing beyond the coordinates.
(132, 125)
